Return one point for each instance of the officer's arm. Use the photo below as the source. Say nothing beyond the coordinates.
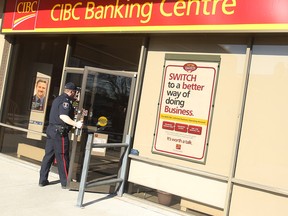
(69, 121)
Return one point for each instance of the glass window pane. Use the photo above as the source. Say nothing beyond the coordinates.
(31, 55)
(107, 95)
(114, 52)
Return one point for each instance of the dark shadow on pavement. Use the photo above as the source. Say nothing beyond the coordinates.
(109, 196)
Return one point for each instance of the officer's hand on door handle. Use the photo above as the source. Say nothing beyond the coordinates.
(79, 124)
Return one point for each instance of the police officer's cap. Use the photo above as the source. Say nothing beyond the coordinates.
(70, 86)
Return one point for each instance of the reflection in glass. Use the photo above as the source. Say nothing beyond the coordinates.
(113, 52)
(107, 96)
(30, 55)
(13, 138)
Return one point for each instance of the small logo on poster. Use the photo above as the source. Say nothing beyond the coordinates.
(190, 67)
(25, 14)
(178, 146)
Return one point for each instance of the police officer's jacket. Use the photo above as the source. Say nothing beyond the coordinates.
(62, 105)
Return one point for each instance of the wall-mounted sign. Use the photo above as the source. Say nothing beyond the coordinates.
(99, 139)
(141, 15)
(185, 109)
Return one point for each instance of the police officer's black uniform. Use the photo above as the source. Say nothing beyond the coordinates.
(57, 144)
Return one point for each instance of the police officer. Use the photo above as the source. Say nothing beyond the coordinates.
(57, 144)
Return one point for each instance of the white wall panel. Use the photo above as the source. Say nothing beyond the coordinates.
(205, 190)
(263, 147)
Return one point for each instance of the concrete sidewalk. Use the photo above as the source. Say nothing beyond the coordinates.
(21, 195)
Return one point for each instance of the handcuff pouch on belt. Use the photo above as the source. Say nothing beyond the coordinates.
(62, 130)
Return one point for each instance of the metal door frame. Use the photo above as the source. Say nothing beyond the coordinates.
(132, 75)
(92, 70)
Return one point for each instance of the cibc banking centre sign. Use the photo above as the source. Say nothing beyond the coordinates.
(144, 16)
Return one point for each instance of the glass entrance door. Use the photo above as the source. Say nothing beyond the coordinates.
(106, 99)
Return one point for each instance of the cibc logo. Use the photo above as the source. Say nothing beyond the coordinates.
(25, 10)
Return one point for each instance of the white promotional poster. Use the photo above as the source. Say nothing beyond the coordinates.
(185, 109)
(38, 105)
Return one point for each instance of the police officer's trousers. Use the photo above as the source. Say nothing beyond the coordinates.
(56, 146)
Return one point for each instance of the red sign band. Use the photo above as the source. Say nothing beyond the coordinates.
(143, 15)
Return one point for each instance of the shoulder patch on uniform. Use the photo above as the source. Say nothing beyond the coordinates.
(65, 105)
